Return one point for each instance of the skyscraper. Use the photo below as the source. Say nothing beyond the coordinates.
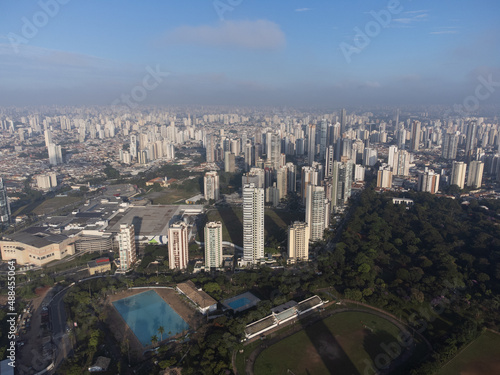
(415, 136)
(281, 182)
(229, 161)
(458, 174)
(133, 146)
(384, 177)
(213, 245)
(126, 246)
(291, 177)
(470, 142)
(178, 245)
(341, 182)
(428, 181)
(323, 138)
(211, 185)
(298, 241)
(311, 143)
(55, 154)
(392, 158)
(316, 211)
(403, 166)
(274, 149)
(253, 223)
(310, 175)
(210, 148)
(450, 146)
(329, 160)
(4, 204)
(343, 120)
(475, 176)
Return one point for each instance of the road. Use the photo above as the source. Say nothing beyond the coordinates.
(60, 337)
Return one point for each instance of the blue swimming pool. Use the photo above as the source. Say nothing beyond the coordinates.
(147, 311)
(240, 302)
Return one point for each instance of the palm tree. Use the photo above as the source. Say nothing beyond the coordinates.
(154, 340)
(161, 331)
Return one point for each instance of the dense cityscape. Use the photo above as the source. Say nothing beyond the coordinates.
(267, 205)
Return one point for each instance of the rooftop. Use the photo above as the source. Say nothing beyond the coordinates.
(201, 298)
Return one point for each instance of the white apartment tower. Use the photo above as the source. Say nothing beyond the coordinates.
(178, 246)
(126, 246)
(316, 212)
(4, 204)
(298, 241)
(475, 176)
(253, 223)
(213, 245)
(458, 174)
(211, 185)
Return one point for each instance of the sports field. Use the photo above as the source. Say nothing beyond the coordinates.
(345, 343)
(482, 356)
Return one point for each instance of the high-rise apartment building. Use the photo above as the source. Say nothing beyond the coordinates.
(415, 136)
(475, 175)
(281, 182)
(213, 245)
(341, 182)
(210, 148)
(458, 174)
(229, 162)
(403, 166)
(311, 143)
(384, 177)
(291, 176)
(178, 246)
(211, 185)
(4, 204)
(316, 211)
(298, 241)
(428, 181)
(253, 223)
(450, 146)
(126, 246)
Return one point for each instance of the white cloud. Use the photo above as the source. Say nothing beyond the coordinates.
(416, 11)
(303, 9)
(444, 32)
(260, 34)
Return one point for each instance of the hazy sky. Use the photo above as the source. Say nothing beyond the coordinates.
(282, 52)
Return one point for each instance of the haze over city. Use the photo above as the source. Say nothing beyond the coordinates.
(249, 52)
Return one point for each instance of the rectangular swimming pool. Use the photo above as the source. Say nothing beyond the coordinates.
(145, 312)
(240, 302)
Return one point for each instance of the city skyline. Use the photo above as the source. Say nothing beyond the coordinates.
(249, 53)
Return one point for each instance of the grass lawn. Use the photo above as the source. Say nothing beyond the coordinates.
(54, 204)
(276, 222)
(482, 356)
(349, 342)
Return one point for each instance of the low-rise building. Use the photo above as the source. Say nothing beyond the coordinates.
(99, 265)
(36, 245)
